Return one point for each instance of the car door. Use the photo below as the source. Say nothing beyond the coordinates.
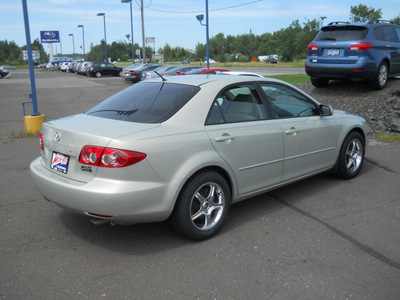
(389, 44)
(249, 140)
(309, 139)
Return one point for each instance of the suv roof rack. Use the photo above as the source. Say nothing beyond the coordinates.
(380, 21)
(338, 22)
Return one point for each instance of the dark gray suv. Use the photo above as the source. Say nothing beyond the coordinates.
(343, 50)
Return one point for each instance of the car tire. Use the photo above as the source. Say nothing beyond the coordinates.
(319, 82)
(381, 77)
(351, 156)
(202, 206)
(97, 74)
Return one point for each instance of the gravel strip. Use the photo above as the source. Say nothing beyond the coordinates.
(381, 108)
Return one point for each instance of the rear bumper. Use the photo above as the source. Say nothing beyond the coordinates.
(362, 69)
(124, 201)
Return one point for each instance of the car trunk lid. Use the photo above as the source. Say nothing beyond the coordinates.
(63, 139)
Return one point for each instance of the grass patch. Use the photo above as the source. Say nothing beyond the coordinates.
(388, 137)
(292, 79)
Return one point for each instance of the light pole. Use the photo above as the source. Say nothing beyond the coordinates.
(143, 36)
(200, 19)
(133, 46)
(83, 38)
(73, 43)
(105, 38)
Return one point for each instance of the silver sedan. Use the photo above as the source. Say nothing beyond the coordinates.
(188, 147)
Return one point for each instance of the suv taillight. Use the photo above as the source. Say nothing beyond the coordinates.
(312, 47)
(360, 46)
(109, 157)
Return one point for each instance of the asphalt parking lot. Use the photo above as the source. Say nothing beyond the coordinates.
(322, 238)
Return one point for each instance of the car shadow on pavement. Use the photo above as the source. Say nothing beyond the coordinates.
(141, 239)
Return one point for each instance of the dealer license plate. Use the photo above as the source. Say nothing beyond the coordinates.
(333, 52)
(59, 162)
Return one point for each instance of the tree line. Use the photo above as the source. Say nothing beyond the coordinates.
(289, 44)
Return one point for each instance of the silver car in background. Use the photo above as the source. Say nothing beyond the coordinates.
(157, 72)
(187, 147)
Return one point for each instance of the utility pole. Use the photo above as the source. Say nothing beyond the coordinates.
(143, 36)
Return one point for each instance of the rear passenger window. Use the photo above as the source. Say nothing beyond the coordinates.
(386, 33)
(237, 104)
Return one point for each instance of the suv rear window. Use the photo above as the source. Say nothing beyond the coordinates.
(145, 102)
(342, 33)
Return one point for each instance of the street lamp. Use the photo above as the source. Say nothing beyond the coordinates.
(83, 38)
(133, 47)
(73, 43)
(105, 38)
(200, 19)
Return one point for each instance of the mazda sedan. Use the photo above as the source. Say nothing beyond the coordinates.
(186, 148)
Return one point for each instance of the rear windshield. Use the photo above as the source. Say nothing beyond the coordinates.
(145, 102)
(342, 33)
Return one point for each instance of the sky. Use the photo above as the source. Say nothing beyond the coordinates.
(168, 22)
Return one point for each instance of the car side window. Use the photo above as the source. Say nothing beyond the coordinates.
(239, 103)
(102, 65)
(398, 34)
(288, 103)
(386, 33)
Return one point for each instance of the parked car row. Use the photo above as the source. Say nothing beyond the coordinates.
(140, 72)
(88, 68)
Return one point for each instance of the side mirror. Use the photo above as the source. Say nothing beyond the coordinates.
(325, 110)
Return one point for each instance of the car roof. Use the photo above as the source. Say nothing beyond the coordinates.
(199, 80)
(239, 73)
(362, 24)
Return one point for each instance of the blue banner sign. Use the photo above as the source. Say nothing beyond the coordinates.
(50, 36)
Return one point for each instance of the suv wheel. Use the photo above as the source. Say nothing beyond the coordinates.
(97, 74)
(319, 82)
(381, 77)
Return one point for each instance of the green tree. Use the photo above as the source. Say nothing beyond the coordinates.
(396, 20)
(37, 45)
(362, 13)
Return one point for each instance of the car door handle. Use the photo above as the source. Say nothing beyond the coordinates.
(292, 131)
(225, 137)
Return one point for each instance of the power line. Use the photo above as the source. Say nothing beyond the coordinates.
(196, 12)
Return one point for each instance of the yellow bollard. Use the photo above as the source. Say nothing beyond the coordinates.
(33, 124)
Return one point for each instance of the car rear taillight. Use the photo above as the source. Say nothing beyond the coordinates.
(41, 140)
(360, 46)
(109, 157)
(126, 71)
(133, 73)
(312, 47)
